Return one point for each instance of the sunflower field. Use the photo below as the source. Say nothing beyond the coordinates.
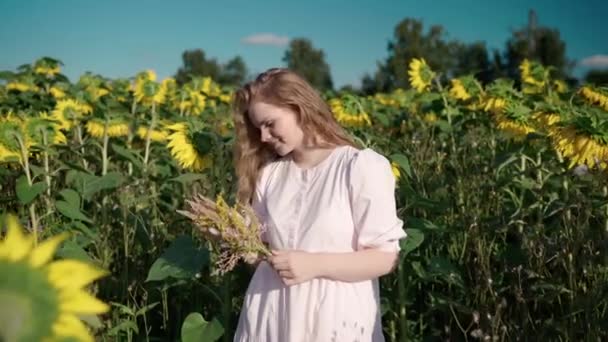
(503, 188)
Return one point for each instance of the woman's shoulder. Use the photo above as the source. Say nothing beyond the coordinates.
(364, 157)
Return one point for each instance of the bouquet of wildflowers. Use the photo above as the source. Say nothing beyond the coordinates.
(235, 232)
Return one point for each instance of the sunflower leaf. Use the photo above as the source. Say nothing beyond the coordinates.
(27, 193)
(414, 239)
(182, 260)
(67, 210)
(196, 328)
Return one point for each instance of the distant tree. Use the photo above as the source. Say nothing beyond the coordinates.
(538, 43)
(597, 77)
(474, 59)
(410, 40)
(195, 63)
(303, 58)
(234, 72)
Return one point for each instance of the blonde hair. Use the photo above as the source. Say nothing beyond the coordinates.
(283, 88)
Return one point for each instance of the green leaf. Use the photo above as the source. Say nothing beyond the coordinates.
(443, 268)
(187, 178)
(127, 154)
(71, 196)
(196, 329)
(421, 224)
(412, 241)
(182, 260)
(67, 210)
(72, 250)
(27, 193)
(88, 185)
(403, 163)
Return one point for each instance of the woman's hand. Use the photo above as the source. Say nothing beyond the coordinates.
(294, 267)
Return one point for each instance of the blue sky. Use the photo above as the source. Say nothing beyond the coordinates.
(120, 38)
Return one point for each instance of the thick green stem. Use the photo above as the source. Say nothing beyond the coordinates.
(149, 135)
(26, 168)
(104, 150)
(81, 142)
(402, 299)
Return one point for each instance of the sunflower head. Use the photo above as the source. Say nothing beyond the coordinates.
(68, 112)
(420, 74)
(47, 67)
(42, 299)
(43, 127)
(534, 76)
(190, 147)
(115, 127)
(11, 128)
(147, 91)
(595, 96)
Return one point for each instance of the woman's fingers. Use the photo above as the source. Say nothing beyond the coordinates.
(286, 274)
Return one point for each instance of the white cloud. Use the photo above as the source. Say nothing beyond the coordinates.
(266, 39)
(595, 61)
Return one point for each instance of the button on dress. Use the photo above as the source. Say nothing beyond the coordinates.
(343, 204)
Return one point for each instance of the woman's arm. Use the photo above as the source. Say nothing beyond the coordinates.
(297, 266)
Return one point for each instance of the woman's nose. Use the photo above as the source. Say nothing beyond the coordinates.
(265, 135)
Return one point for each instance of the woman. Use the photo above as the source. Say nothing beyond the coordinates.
(329, 211)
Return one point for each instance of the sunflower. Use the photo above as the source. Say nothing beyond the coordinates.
(67, 112)
(33, 127)
(182, 148)
(355, 117)
(458, 91)
(546, 120)
(494, 104)
(116, 128)
(532, 75)
(10, 129)
(40, 299)
(147, 91)
(579, 147)
(560, 86)
(47, 68)
(421, 74)
(57, 93)
(21, 87)
(193, 102)
(595, 96)
(518, 131)
(155, 135)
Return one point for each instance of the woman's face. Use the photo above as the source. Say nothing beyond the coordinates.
(278, 127)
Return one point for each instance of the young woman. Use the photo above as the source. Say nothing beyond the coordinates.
(329, 211)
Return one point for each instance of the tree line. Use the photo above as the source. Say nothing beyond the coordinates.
(411, 40)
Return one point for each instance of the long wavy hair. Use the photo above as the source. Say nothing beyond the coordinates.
(282, 88)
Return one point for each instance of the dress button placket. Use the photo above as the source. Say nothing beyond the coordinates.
(298, 209)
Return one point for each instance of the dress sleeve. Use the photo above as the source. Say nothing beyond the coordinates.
(372, 197)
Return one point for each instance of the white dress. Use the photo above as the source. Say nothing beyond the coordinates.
(343, 204)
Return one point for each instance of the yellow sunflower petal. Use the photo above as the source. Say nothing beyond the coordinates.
(45, 250)
(72, 326)
(73, 274)
(81, 302)
(16, 245)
